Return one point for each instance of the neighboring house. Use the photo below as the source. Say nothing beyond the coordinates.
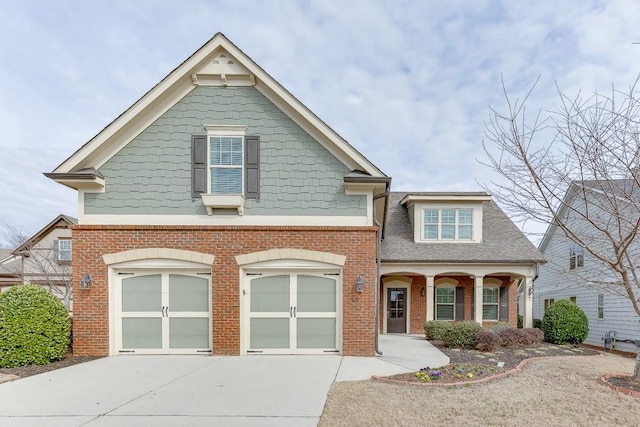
(219, 215)
(574, 274)
(443, 252)
(43, 259)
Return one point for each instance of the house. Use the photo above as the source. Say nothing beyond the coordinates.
(43, 259)
(575, 274)
(442, 252)
(219, 215)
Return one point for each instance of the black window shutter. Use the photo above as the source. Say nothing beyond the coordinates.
(459, 303)
(198, 165)
(504, 304)
(252, 167)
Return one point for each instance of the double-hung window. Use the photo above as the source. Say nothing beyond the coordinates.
(600, 306)
(576, 257)
(62, 249)
(448, 224)
(226, 160)
(490, 302)
(445, 302)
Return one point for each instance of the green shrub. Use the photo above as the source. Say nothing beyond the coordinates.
(487, 341)
(565, 323)
(34, 327)
(436, 329)
(461, 334)
(520, 321)
(537, 323)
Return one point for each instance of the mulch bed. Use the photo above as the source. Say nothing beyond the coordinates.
(624, 382)
(27, 371)
(472, 365)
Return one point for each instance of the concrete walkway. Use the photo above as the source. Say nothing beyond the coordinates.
(198, 390)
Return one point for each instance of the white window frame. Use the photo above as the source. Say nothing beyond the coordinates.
(225, 131)
(453, 304)
(576, 256)
(476, 222)
(496, 304)
(65, 250)
(600, 307)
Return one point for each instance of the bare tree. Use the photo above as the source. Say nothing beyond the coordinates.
(577, 169)
(39, 263)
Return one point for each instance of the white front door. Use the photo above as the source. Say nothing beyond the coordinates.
(163, 313)
(292, 313)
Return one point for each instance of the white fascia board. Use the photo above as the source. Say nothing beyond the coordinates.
(410, 199)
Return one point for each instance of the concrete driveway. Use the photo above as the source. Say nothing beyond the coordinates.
(199, 390)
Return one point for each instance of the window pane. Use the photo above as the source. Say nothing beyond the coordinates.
(465, 216)
(490, 295)
(444, 312)
(445, 295)
(316, 294)
(448, 216)
(431, 232)
(226, 180)
(225, 151)
(448, 232)
(430, 216)
(316, 333)
(490, 312)
(465, 232)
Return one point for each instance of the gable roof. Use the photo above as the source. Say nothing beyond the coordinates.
(218, 62)
(502, 241)
(59, 221)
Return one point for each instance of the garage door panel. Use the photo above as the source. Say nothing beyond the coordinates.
(188, 333)
(316, 333)
(270, 294)
(316, 294)
(188, 293)
(142, 293)
(269, 333)
(142, 332)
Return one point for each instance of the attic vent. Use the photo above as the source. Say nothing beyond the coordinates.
(222, 55)
(215, 61)
(230, 62)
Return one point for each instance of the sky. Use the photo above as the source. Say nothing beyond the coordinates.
(407, 83)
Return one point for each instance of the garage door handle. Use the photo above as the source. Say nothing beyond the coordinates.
(294, 311)
(290, 311)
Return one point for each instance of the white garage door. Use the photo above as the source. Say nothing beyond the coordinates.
(163, 313)
(292, 313)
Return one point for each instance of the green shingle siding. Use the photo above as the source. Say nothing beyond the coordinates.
(152, 175)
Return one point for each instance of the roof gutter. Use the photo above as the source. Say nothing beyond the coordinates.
(378, 261)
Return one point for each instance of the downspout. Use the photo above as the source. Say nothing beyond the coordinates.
(378, 259)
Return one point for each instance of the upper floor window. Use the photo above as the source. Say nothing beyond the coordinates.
(576, 257)
(226, 160)
(62, 250)
(448, 224)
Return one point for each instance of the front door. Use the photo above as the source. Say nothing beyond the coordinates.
(293, 313)
(163, 313)
(396, 311)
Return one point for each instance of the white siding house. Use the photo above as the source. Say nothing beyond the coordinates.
(571, 272)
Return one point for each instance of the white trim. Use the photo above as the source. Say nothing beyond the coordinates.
(476, 222)
(411, 199)
(158, 253)
(301, 255)
(466, 269)
(226, 130)
(259, 220)
(397, 282)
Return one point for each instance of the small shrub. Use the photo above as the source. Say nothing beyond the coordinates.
(565, 323)
(499, 326)
(520, 321)
(436, 329)
(487, 341)
(510, 337)
(535, 335)
(537, 323)
(461, 335)
(34, 327)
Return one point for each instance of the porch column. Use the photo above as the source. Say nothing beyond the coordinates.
(527, 299)
(477, 298)
(430, 309)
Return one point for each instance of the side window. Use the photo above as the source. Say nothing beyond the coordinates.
(600, 306)
(62, 250)
(576, 257)
(547, 303)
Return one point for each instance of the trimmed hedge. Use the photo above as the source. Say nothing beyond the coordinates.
(461, 334)
(436, 329)
(34, 327)
(565, 323)
(487, 341)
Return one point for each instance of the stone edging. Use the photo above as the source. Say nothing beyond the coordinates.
(479, 381)
(605, 380)
(7, 377)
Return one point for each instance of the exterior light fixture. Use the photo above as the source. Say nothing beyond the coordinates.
(359, 283)
(85, 282)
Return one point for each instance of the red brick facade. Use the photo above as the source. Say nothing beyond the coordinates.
(418, 302)
(91, 307)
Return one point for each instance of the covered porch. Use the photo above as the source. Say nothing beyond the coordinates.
(413, 294)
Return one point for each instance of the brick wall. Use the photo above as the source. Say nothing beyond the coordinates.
(91, 310)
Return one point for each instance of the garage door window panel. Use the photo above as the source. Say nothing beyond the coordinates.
(142, 332)
(188, 332)
(269, 333)
(187, 293)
